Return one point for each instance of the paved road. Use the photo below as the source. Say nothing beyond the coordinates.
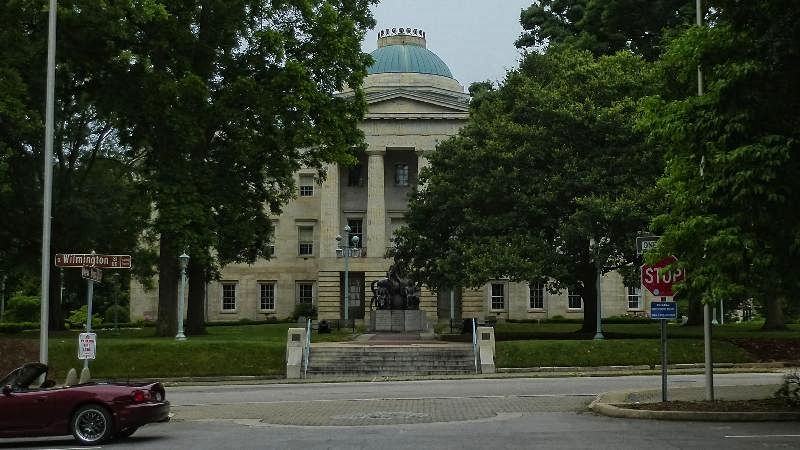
(462, 413)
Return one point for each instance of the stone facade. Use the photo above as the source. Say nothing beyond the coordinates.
(409, 114)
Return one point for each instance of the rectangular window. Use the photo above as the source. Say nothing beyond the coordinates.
(574, 300)
(305, 293)
(267, 295)
(401, 174)
(305, 241)
(228, 296)
(356, 229)
(354, 176)
(306, 186)
(634, 298)
(536, 300)
(498, 299)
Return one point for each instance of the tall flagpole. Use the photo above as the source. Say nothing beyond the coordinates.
(709, 359)
(47, 189)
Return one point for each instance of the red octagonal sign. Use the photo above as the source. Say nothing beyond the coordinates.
(659, 281)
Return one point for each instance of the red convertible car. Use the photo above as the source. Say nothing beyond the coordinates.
(93, 412)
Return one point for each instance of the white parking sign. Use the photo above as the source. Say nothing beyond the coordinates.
(87, 345)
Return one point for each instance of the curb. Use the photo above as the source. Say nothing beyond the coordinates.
(705, 416)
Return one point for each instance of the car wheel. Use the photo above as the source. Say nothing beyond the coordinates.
(126, 433)
(91, 424)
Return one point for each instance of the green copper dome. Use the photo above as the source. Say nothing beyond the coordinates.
(398, 52)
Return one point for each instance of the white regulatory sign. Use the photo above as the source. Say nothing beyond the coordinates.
(87, 345)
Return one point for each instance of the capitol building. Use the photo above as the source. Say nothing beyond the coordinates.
(413, 103)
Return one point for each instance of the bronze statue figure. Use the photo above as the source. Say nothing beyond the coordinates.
(394, 292)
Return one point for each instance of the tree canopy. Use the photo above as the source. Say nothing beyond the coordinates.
(732, 154)
(547, 181)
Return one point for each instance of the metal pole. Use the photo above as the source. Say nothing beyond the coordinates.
(89, 296)
(2, 296)
(709, 369)
(116, 303)
(663, 357)
(598, 327)
(721, 314)
(47, 203)
(346, 251)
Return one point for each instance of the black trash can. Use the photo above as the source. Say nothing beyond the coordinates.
(323, 327)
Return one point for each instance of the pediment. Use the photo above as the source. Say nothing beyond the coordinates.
(408, 103)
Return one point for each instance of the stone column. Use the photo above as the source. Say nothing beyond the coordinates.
(376, 204)
(329, 213)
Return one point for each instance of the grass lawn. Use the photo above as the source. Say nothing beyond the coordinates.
(259, 350)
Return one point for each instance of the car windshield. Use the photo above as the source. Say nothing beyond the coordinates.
(22, 377)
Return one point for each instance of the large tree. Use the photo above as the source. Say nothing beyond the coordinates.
(547, 182)
(97, 203)
(603, 26)
(733, 154)
(225, 101)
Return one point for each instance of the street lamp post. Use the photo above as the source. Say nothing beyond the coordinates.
(349, 243)
(597, 282)
(184, 261)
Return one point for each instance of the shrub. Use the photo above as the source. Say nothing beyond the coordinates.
(23, 308)
(789, 391)
(77, 318)
(123, 315)
(17, 327)
(304, 310)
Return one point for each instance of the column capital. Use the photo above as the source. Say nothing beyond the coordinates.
(376, 151)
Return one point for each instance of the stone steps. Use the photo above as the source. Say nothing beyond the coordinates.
(387, 360)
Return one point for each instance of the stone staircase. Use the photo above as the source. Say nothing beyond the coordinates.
(390, 360)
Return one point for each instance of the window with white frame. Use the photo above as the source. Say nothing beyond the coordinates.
(634, 298)
(305, 240)
(574, 300)
(497, 298)
(305, 293)
(228, 296)
(356, 229)
(401, 174)
(536, 300)
(266, 294)
(306, 186)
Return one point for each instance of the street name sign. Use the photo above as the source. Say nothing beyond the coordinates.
(663, 310)
(660, 281)
(92, 273)
(93, 260)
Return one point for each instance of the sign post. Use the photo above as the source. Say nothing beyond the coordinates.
(663, 311)
(90, 264)
(659, 282)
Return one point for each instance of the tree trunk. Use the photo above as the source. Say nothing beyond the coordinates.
(589, 293)
(56, 319)
(774, 313)
(694, 312)
(196, 313)
(167, 322)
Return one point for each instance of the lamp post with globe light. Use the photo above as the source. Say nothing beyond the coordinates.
(183, 260)
(349, 244)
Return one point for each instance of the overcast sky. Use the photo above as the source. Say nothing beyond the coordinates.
(475, 38)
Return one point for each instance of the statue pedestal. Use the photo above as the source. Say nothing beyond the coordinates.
(397, 320)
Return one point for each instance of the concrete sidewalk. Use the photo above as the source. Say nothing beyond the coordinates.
(612, 404)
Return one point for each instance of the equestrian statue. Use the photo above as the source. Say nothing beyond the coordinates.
(394, 292)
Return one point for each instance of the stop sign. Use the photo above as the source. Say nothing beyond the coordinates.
(659, 281)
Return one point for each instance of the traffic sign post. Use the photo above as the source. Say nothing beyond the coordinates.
(663, 311)
(90, 264)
